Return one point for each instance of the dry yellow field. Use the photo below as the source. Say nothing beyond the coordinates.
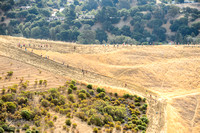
(170, 74)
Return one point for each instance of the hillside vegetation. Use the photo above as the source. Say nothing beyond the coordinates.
(168, 76)
(105, 21)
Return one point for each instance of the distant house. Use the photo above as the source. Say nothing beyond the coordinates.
(86, 16)
(25, 7)
(52, 18)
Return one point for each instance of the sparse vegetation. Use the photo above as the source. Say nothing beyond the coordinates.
(96, 108)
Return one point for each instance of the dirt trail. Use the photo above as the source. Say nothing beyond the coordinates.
(157, 107)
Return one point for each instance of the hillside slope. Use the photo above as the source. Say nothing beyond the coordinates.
(167, 75)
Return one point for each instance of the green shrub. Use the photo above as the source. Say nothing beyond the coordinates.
(73, 82)
(13, 90)
(40, 82)
(37, 123)
(95, 130)
(10, 73)
(89, 86)
(1, 130)
(25, 127)
(50, 123)
(45, 83)
(101, 94)
(145, 120)
(73, 87)
(22, 100)
(55, 118)
(3, 91)
(82, 95)
(144, 100)
(68, 122)
(144, 106)
(28, 131)
(141, 127)
(26, 114)
(116, 95)
(83, 90)
(68, 115)
(118, 127)
(10, 106)
(7, 97)
(69, 91)
(91, 92)
(74, 125)
(71, 97)
(45, 103)
(100, 90)
(96, 119)
(8, 128)
(126, 96)
(137, 104)
(65, 111)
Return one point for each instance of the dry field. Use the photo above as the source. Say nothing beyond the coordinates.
(170, 74)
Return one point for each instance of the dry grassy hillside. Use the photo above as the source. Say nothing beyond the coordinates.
(169, 73)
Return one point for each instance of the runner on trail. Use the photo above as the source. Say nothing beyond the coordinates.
(83, 71)
(41, 54)
(125, 85)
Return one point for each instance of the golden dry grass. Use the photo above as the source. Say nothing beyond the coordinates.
(169, 73)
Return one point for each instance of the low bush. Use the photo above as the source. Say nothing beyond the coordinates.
(74, 125)
(45, 103)
(137, 104)
(118, 127)
(71, 97)
(26, 114)
(40, 82)
(25, 127)
(11, 106)
(72, 86)
(89, 86)
(126, 96)
(45, 83)
(50, 123)
(91, 92)
(7, 97)
(65, 111)
(3, 91)
(82, 95)
(83, 90)
(100, 90)
(73, 82)
(10, 73)
(69, 90)
(95, 130)
(68, 122)
(55, 118)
